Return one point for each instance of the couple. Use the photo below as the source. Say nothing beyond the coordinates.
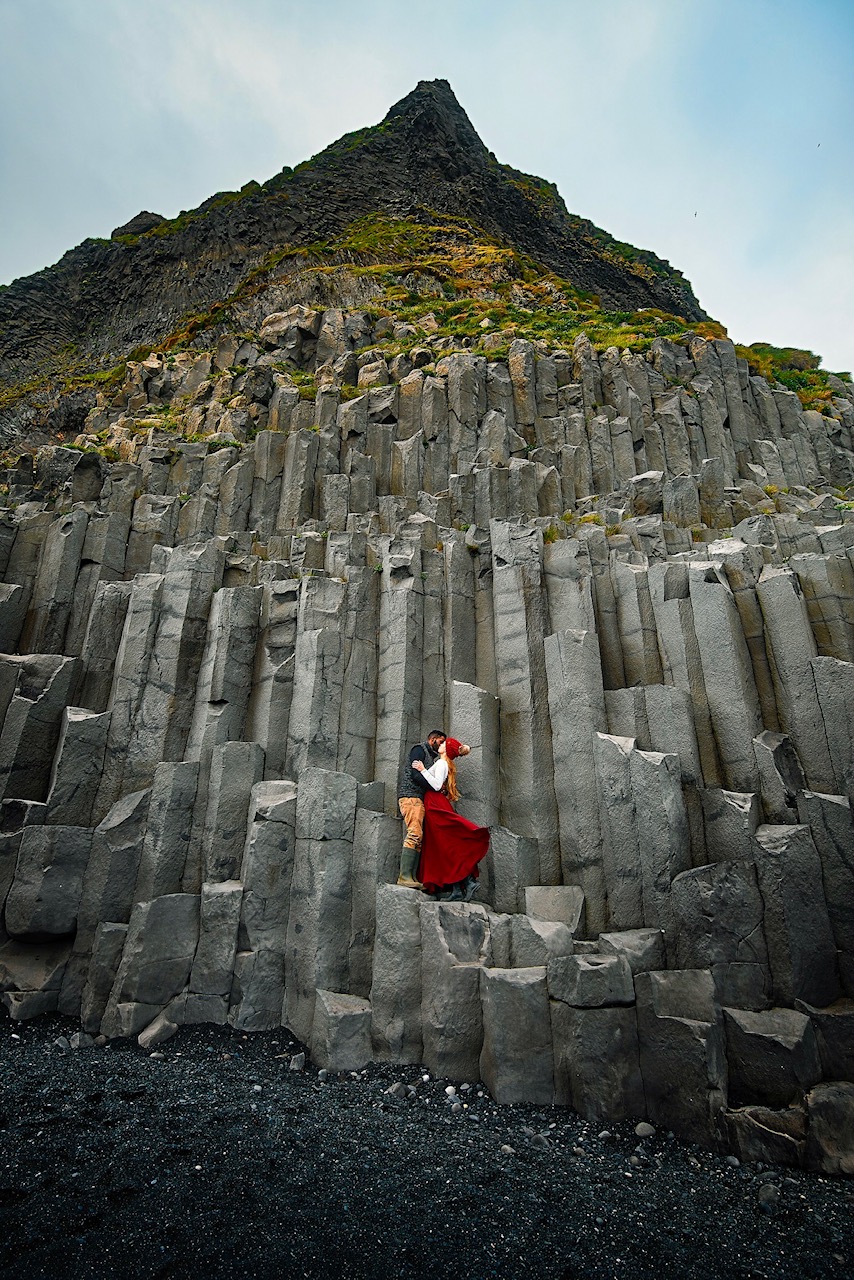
(449, 846)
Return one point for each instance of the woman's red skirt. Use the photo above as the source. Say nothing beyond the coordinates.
(452, 846)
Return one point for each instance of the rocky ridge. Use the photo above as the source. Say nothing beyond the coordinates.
(106, 297)
(626, 578)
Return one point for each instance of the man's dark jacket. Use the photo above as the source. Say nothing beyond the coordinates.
(411, 784)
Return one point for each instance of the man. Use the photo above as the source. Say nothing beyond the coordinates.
(410, 799)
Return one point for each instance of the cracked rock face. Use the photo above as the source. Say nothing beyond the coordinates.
(217, 655)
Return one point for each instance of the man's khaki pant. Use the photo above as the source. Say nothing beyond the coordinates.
(412, 812)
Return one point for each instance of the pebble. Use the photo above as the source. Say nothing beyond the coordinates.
(322, 1074)
(634, 1160)
(644, 1130)
(768, 1193)
(256, 1088)
(508, 1150)
(297, 1062)
(61, 1042)
(450, 1091)
(733, 1161)
(157, 1057)
(540, 1140)
(604, 1134)
(395, 1089)
(578, 1151)
(457, 1108)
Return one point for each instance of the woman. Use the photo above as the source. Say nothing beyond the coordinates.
(452, 846)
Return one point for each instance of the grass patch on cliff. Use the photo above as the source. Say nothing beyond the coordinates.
(795, 369)
(437, 263)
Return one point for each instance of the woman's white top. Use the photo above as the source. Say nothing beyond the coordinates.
(437, 774)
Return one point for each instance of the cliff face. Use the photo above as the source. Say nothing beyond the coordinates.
(105, 297)
(266, 568)
(272, 559)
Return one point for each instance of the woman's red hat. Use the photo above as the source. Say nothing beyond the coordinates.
(452, 748)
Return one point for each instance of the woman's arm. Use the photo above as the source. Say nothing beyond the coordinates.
(436, 774)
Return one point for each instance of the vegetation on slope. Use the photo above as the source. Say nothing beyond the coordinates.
(478, 291)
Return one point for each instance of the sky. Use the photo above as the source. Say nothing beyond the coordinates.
(718, 133)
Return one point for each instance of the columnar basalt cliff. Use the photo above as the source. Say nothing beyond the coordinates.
(268, 565)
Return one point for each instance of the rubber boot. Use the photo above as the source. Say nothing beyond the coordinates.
(408, 862)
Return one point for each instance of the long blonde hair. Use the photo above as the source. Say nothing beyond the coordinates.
(451, 781)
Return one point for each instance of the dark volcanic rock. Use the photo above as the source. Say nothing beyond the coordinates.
(144, 221)
(109, 295)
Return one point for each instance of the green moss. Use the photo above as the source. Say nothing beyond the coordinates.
(306, 385)
(794, 368)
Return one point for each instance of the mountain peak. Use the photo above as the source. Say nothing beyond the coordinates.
(106, 297)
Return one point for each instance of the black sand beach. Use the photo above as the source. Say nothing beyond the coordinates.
(213, 1157)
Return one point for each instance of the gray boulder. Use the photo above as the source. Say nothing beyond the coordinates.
(772, 1056)
(517, 1060)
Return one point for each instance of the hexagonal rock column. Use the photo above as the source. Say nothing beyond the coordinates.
(396, 985)
(341, 1035)
(801, 948)
(167, 830)
(682, 1052)
(727, 674)
(832, 825)
(31, 974)
(577, 709)
(376, 860)
(40, 689)
(642, 948)
(772, 1056)
(720, 913)
(316, 954)
(108, 892)
(520, 613)
(663, 838)
(156, 961)
(513, 863)
(834, 1028)
(620, 853)
(213, 964)
(455, 944)
(77, 767)
(474, 720)
(830, 1136)
(105, 958)
(517, 1060)
(45, 893)
(597, 1069)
